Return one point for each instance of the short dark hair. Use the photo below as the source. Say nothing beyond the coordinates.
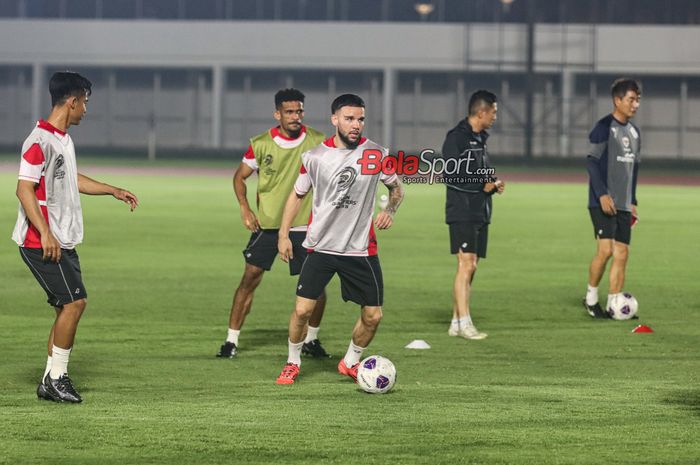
(346, 100)
(479, 99)
(64, 84)
(623, 85)
(288, 95)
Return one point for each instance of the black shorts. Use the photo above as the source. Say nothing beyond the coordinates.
(61, 281)
(360, 278)
(469, 238)
(617, 227)
(261, 250)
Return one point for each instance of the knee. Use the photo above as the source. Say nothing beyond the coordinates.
(75, 308)
(251, 279)
(372, 318)
(605, 252)
(467, 268)
(303, 312)
(620, 253)
(81, 305)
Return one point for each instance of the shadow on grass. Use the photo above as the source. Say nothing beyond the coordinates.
(266, 337)
(685, 399)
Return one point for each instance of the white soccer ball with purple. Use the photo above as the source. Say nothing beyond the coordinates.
(376, 374)
(623, 307)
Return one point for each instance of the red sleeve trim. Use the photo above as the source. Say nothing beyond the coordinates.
(249, 153)
(34, 155)
(302, 170)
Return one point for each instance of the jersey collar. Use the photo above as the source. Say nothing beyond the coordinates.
(330, 142)
(45, 125)
(275, 132)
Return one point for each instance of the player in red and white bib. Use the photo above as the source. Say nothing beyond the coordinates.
(50, 223)
(340, 234)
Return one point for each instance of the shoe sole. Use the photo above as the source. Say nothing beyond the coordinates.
(476, 338)
(348, 373)
(53, 398)
(605, 316)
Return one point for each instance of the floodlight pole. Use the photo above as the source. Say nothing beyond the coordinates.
(38, 70)
(217, 105)
(388, 107)
(530, 79)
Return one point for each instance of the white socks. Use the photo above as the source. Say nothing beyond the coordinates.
(352, 356)
(294, 353)
(59, 362)
(466, 321)
(48, 368)
(461, 322)
(592, 295)
(610, 298)
(233, 336)
(311, 334)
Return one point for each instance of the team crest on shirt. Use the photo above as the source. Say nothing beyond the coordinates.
(346, 178)
(59, 172)
(626, 141)
(267, 164)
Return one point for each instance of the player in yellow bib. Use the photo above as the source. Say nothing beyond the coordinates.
(276, 156)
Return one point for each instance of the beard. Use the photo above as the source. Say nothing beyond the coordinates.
(346, 140)
(293, 132)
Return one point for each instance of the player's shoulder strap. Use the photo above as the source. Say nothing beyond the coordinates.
(262, 137)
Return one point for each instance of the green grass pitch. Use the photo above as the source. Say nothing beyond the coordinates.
(549, 385)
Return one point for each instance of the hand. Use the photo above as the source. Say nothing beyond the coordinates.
(51, 248)
(126, 197)
(250, 221)
(500, 185)
(284, 247)
(489, 187)
(384, 220)
(608, 205)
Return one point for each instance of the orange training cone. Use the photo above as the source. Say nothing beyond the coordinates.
(642, 329)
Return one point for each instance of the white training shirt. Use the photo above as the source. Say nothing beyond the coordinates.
(344, 197)
(48, 160)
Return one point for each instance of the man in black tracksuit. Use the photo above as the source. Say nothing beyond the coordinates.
(470, 185)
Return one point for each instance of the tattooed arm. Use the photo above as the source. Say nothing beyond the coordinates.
(385, 218)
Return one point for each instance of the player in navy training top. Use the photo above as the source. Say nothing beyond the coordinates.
(613, 164)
